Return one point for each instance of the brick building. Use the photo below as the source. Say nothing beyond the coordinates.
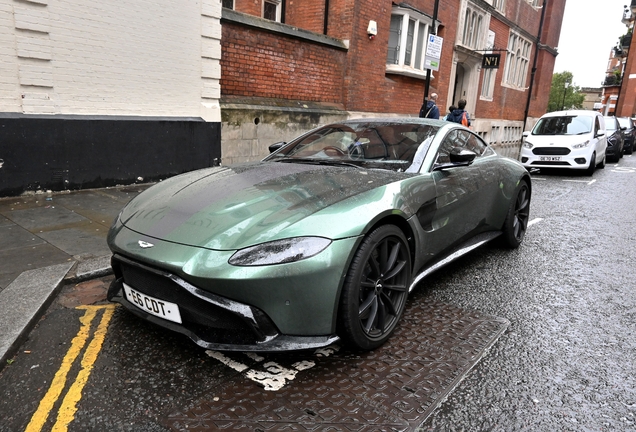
(289, 65)
(99, 93)
(621, 97)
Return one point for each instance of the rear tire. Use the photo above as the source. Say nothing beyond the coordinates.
(375, 289)
(516, 224)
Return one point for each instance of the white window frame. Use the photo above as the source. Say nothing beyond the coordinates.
(416, 40)
(473, 28)
(488, 82)
(517, 61)
(277, 5)
(500, 5)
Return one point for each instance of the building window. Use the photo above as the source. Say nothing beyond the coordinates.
(473, 28)
(517, 60)
(271, 10)
(499, 5)
(229, 4)
(488, 83)
(408, 35)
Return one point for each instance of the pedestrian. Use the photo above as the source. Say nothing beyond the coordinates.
(459, 115)
(430, 110)
(450, 110)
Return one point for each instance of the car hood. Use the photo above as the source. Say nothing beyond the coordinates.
(558, 140)
(228, 208)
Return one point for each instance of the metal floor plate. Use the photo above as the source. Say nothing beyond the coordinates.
(394, 388)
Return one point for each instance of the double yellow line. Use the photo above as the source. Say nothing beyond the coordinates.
(66, 412)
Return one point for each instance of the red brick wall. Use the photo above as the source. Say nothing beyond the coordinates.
(250, 7)
(257, 63)
(261, 64)
(308, 15)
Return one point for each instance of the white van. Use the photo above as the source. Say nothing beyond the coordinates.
(574, 139)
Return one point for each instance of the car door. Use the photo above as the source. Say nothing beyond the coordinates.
(465, 195)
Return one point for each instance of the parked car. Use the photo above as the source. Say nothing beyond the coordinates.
(629, 134)
(572, 139)
(614, 138)
(322, 240)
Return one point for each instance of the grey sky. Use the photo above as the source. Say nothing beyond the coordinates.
(590, 29)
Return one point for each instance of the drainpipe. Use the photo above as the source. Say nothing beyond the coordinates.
(326, 19)
(282, 11)
(534, 65)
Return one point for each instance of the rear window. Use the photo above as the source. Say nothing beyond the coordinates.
(564, 125)
(625, 122)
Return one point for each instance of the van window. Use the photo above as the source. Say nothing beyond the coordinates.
(564, 125)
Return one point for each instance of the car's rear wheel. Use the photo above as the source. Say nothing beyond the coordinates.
(375, 289)
(516, 224)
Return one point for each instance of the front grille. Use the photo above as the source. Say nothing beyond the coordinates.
(551, 151)
(555, 163)
(208, 321)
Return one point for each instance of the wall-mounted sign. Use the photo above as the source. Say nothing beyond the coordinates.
(490, 61)
(433, 52)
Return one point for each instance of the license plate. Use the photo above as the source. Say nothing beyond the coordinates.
(154, 306)
(550, 158)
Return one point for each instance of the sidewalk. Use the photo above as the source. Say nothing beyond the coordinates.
(46, 239)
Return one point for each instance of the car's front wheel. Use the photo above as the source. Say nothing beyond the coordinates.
(375, 289)
(592, 166)
(516, 224)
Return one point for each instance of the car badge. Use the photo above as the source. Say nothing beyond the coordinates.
(144, 245)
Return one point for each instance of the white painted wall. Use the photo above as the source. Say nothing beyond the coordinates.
(108, 57)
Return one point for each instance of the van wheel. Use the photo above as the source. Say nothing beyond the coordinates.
(592, 166)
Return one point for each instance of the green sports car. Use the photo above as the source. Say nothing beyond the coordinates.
(321, 241)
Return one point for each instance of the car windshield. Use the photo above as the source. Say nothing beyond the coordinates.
(563, 125)
(610, 123)
(369, 144)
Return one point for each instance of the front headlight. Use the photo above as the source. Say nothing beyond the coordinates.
(280, 251)
(581, 145)
(528, 144)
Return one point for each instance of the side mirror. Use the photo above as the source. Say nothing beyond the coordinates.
(460, 155)
(272, 148)
(599, 133)
(526, 134)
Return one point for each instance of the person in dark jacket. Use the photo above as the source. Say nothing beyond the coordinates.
(459, 115)
(430, 110)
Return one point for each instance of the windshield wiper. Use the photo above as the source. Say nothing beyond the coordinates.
(319, 162)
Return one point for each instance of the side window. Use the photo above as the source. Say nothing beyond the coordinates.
(475, 144)
(452, 139)
(463, 139)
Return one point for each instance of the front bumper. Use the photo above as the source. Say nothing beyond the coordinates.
(211, 321)
(575, 159)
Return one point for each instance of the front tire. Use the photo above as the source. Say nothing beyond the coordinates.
(375, 289)
(516, 224)
(592, 166)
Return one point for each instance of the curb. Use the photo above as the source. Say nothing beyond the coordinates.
(26, 298)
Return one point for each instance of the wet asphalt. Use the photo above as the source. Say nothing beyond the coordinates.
(567, 360)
